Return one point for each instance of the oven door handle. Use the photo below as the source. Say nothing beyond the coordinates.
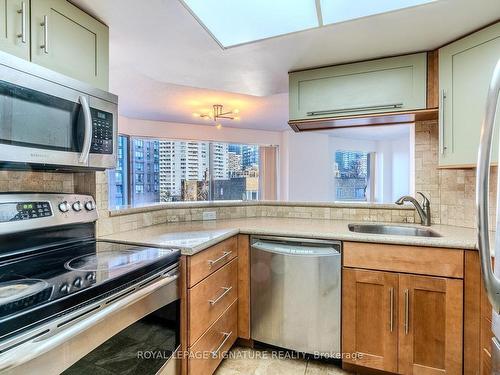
(87, 137)
(45, 343)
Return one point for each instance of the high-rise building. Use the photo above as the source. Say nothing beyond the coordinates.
(118, 178)
(234, 164)
(220, 161)
(181, 161)
(250, 154)
(145, 165)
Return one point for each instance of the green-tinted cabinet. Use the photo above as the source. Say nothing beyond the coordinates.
(69, 41)
(15, 27)
(465, 70)
(378, 86)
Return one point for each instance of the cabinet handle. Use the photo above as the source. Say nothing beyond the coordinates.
(22, 12)
(224, 255)
(407, 311)
(226, 336)
(356, 109)
(391, 314)
(45, 25)
(442, 98)
(226, 291)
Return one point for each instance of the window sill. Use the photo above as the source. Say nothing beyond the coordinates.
(128, 210)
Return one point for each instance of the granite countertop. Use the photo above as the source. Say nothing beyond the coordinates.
(195, 236)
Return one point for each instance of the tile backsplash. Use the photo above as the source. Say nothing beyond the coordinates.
(35, 181)
(451, 191)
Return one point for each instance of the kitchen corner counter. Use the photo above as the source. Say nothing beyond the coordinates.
(195, 236)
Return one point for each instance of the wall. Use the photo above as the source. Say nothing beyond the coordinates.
(308, 174)
(171, 130)
(308, 159)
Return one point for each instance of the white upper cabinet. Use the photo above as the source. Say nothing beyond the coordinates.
(378, 86)
(465, 70)
(15, 27)
(57, 35)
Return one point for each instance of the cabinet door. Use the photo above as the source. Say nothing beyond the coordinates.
(465, 71)
(15, 27)
(69, 41)
(369, 326)
(378, 86)
(431, 325)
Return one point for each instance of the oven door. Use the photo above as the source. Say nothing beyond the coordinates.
(130, 333)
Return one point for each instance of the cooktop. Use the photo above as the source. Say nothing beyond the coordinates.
(42, 285)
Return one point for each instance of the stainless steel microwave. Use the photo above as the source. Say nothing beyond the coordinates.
(48, 120)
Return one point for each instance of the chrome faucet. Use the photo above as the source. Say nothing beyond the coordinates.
(424, 211)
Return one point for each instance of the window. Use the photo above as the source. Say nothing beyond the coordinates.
(235, 172)
(249, 21)
(177, 171)
(352, 176)
(118, 178)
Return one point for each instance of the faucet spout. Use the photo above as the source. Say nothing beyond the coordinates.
(424, 210)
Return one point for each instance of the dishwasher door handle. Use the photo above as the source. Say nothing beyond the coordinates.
(295, 249)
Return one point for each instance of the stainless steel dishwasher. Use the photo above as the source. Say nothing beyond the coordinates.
(295, 294)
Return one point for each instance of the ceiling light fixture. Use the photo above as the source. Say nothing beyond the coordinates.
(218, 114)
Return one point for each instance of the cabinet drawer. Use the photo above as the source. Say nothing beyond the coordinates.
(208, 352)
(407, 259)
(377, 86)
(206, 262)
(210, 298)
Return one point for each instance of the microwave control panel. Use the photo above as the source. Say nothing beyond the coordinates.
(102, 132)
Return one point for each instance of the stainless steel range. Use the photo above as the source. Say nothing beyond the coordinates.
(71, 303)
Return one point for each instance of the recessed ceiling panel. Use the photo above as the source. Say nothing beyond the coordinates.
(234, 22)
(334, 11)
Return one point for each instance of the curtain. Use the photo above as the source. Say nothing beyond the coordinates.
(268, 181)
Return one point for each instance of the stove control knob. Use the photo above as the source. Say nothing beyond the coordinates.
(90, 276)
(64, 288)
(77, 206)
(89, 206)
(64, 206)
(78, 282)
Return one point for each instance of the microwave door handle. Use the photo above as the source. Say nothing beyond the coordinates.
(491, 282)
(87, 138)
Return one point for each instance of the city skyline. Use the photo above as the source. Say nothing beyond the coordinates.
(165, 170)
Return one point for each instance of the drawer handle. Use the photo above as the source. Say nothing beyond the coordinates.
(356, 109)
(226, 336)
(224, 255)
(226, 291)
(407, 311)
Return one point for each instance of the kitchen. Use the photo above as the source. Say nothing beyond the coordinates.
(239, 199)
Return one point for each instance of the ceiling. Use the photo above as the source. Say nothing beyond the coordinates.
(165, 66)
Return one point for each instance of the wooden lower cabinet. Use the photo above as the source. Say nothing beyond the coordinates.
(430, 329)
(369, 318)
(403, 323)
(215, 303)
(208, 352)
